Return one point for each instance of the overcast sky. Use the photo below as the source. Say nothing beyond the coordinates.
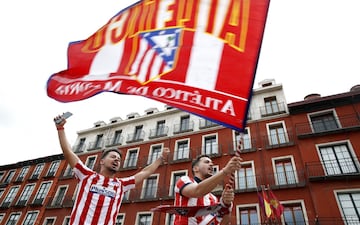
(309, 46)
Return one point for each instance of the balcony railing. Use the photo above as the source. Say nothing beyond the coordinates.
(114, 141)
(332, 170)
(182, 128)
(79, 148)
(279, 140)
(96, 145)
(182, 155)
(279, 108)
(135, 137)
(203, 123)
(345, 123)
(157, 132)
(249, 146)
(283, 180)
(211, 150)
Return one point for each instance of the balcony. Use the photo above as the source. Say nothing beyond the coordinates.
(37, 202)
(114, 141)
(184, 127)
(276, 109)
(203, 124)
(20, 203)
(213, 150)
(184, 155)
(249, 146)
(332, 170)
(346, 123)
(157, 133)
(290, 179)
(96, 145)
(79, 148)
(135, 137)
(279, 140)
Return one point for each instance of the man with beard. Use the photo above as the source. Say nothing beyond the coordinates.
(197, 191)
(100, 194)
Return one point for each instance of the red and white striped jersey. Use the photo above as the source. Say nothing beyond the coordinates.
(99, 198)
(206, 200)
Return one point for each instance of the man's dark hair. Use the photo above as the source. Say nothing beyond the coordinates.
(106, 152)
(196, 161)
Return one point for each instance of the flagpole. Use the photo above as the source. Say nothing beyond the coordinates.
(237, 153)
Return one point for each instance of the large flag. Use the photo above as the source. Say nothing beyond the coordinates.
(276, 206)
(199, 56)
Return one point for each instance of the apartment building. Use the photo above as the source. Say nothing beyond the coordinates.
(305, 152)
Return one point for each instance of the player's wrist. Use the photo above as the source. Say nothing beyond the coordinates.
(59, 127)
(226, 173)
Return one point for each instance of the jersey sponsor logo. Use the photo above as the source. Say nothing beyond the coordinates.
(101, 190)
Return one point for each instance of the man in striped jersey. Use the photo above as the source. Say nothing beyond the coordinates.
(100, 194)
(197, 191)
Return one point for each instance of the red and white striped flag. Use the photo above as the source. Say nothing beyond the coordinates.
(198, 56)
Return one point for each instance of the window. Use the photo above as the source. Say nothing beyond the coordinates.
(25, 195)
(170, 219)
(154, 154)
(350, 206)
(138, 133)
(210, 145)
(9, 176)
(246, 139)
(117, 137)
(337, 160)
(68, 171)
(22, 173)
(144, 219)
(10, 196)
(277, 134)
(2, 190)
(246, 177)
(49, 221)
(184, 123)
(80, 146)
(323, 122)
(37, 171)
(285, 173)
(53, 168)
(119, 219)
(271, 105)
(293, 214)
(248, 215)
(66, 220)
(42, 192)
(174, 178)
(2, 215)
(99, 140)
(182, 151)
(30, 218)
(126, 195)
(90, 162)
(150, 187)
(131, 158)
(59, 197)
(13, 218)
(160, 128)
(1, 175)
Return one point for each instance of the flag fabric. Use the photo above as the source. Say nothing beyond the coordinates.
(198, 56)
(267, 205)
(261, 204)
(276, 206)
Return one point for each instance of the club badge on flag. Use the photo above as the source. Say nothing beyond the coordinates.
(198, 56)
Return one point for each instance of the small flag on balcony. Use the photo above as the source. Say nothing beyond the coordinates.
(198, 56)
(276, 206)
(267, 206)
